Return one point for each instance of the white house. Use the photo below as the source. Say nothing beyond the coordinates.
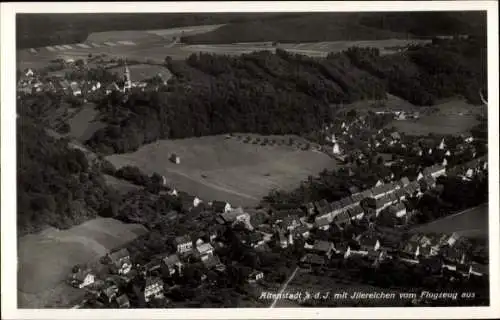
(442, 145)
(336, 149)
(29, 73)
(183, 244)
(205, 249)
(153, 289)
(83, 278)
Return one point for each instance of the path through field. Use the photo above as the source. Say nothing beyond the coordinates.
(283, 288)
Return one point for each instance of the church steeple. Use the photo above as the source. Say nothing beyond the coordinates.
(128, 82)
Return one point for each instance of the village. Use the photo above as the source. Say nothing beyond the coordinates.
(366, 225)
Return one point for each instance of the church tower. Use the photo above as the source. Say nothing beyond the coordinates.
(128, 82)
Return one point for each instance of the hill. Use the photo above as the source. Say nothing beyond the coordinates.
(284, 93)
(37, 30)
(334, 26)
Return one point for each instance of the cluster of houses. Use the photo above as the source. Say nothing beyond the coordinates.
(30, 82)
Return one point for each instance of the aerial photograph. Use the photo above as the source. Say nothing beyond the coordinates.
(252, 160)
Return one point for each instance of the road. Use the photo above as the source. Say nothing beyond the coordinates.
(283, 288)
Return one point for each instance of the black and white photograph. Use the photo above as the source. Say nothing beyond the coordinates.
(250, 158)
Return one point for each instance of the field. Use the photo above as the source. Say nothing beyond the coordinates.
(215, 168)
(139, 72)
(452, 117)
(84, 123)
(469, 223)
(155, 45)
(45, 259)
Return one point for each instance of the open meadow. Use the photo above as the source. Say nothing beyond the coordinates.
(216, 168)
(140, 72)
(84, 123)
(471, 223)
(45, 259)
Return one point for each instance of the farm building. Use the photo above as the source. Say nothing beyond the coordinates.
(83, 278)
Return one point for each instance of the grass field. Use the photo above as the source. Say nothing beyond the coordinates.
(470, 223)
(215, 168)
(453, 117)
(84, 123)
(139, 72)
(45, 259)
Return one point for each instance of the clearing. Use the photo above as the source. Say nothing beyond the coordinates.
(216, 168)
(453, 117)
(84, 123)
(139, 72)
(471, 223)
(45, 259)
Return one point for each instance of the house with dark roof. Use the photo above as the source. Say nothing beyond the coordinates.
(301, 231)
(400, 194)
(309, 260)
(110, 292)
(356, 212)
(398, 210)
(123, 301)
(221, 206)
(188, 202)
(403, 182)
(213, 262)
(323, 222)
(434, 171)
(427, 182)
(322, 248)
(383, 190)
(291, 222)
(346, 203)
(173, 263)
(342, 219)
(368, 242)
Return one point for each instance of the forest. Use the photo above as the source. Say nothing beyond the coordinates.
(284, 93)
(56, 185)
(346, 26)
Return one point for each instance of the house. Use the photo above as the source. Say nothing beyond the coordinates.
(255, 276)
(379, 183)
(310, 209)
(302, 231)
(112, 87)
(323, 222)
(291, 222)
(445, 162)
(283, 242)
(368, 242)
(478, 270)
(435, 171)
(233, 215)
(153, 289)
(403, 182)
(188, 202)
(213, 262)
(321, 247)
(400, 194)
(412, 249)
(110, 292)
(175, 158)
(427, 182)
(173, 263)
(395, 136)
(29, 73)
(205, 249)
(221, 206)
(152, 266)
(123, 301)
(121, 260)
(346, 203)
(442, 145)
(83, 278)
(309, 260)
(356, 212)
(450, 240)
(399, 210)
(380, 191)
(255, 239)
(183, 244)
(342, 219)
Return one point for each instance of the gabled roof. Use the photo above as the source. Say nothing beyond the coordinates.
(152, 281)
(313, 259)
(358, 197)
(289, 220)
(383, 188)
(342, 217)
(301, 229)
(322, 246)
(182, 239)
(354, 211)
(204, 247)
(398, 207)
(219, 205)
(433, 169)
(345, 202)
(82, 274)
(171, 260)
(118, 255)
(404, 181)
(322, 221)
